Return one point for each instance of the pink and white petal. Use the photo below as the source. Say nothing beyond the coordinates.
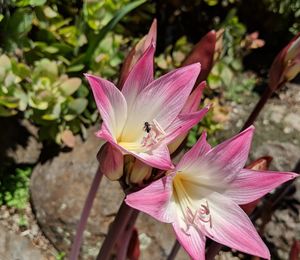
(161, 100)
(250, 185)
(232, 227)
(110, 102)
(155, 200)
(183, 123)
(192, 104)
(193, 242)
(111, 161)
(139, 77)
(157, 157)
(231, 156)
(194, 154)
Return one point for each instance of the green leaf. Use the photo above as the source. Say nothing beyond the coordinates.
(75, 68)
(78, 105)
(45, 68)
(49, 12)
(31, 2)
(9, 102)
(70, 86)
(95, 41)
(49, 117)
(5, 62)
(69, 117)
(19, 23)
(7, 112)
(23, 99)
(22, 70)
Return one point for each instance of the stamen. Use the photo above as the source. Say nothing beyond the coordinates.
(154, 134)
(200, 217)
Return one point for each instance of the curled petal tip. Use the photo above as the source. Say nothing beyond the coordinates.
(88, 76)
(294, 175)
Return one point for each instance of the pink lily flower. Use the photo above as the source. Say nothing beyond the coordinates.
(200, 197)
(144, 117)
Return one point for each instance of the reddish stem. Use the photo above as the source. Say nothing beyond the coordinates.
(125, 239)
(174, 251)
(85, 214)
(116, 229)
(213, 250)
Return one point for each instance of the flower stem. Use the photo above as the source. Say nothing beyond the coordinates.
(85, 214)
(174, 251)
(115, 231)
(125, 239)
(213, 250)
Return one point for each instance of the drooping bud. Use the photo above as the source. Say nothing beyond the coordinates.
(286, 65)
(111, 161)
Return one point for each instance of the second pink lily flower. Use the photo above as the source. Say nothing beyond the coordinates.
(200, 197)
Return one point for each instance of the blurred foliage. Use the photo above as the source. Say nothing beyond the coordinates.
(60, 256)
(173, 56)
(14, 188)
(47, 45)
(289, 9)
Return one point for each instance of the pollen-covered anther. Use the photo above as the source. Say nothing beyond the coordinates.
(204, 214)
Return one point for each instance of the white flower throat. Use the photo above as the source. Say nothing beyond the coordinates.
(195, 213)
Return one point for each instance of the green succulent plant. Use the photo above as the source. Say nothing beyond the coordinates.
(12, 95)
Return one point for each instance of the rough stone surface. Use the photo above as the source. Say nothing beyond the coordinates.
(58, 190)
(156, 239)
(16, 247)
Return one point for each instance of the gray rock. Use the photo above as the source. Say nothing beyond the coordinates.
(293, 120)
(16, 247)
(58, 191)
(286, 155)
(156, 239)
